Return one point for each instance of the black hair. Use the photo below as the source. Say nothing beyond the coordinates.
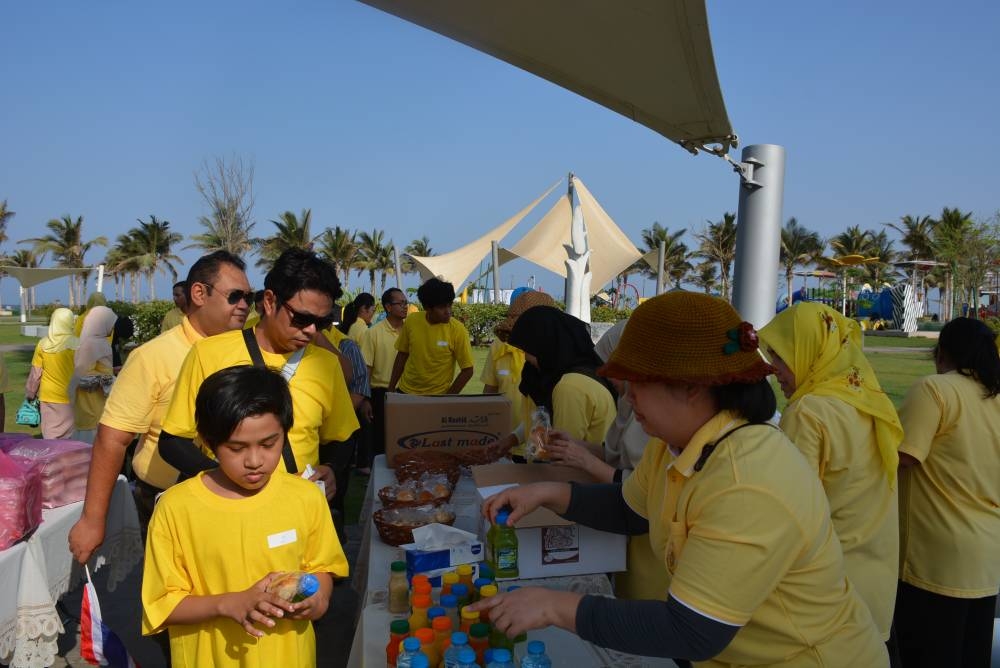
(350, 315)
(123, 330)
(970, 346)
(206, 269)
(179, 284)
(231, 395)
(387, 297)
(299, 269)
(258, 297)
(754, 402)
(435, 292)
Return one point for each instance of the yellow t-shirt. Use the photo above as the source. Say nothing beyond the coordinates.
(582, 407)
(503, 370)
(839, 443)
(378, 347)
(321, 404)
(433, 352)
(88, 404)
(356, 330)
(57, 371)
(203, 544)
(750, 543)
(141, 394)
(949, 504)
(171, 319)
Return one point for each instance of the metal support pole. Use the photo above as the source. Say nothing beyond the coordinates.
(661, 255)
(758, 232)
(396, 268)
(495, 249)
(100, 278)
(24, 315)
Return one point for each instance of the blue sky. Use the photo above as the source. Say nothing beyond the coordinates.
(885, 109)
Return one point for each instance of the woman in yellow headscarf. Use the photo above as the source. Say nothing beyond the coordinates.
(848, 430)
(95, 299)
(50, 374)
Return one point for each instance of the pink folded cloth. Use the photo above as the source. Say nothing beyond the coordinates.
(64, 466)
(20, 500)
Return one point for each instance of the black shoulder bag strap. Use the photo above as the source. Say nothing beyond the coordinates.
(707, 451)
(257, 357)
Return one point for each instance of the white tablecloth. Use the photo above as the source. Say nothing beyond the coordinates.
(36, 572)
(371, 579)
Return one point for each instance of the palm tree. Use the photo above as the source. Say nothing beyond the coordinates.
(371, 249)
(224, 231)
(65, 242)
(25, 257)
(421, 248)
(386, 264)
(917, 235)
(676, 265)
(5, 215)
(799, 246)
(340, 246)
(147, 250)
(705, 277)
(852, 241)
(882, 248)
(951, 242)
(718, 245)
(293, 232)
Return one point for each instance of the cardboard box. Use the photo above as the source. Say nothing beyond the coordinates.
(547, 544)
(444, 423)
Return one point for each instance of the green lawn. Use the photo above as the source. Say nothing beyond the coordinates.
(899, 342)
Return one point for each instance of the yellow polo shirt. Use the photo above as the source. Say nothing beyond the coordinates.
(949, 504)
(433, 352)
(839, 443)
(321, 404)
(141, 394)
(748, 541)
(57, 371)
(378, 346)
(582, 407)
(357, 330)
(503, 370)
(171, 319)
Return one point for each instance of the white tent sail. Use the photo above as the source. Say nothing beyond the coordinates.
(456, 266)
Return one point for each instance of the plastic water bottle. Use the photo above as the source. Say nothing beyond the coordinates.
(411, 649)
(459, 641)
(536, 656)
(467, 659)
(421, 661)
(294, 586)
(501, 659)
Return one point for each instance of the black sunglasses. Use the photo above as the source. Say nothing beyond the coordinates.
(235, 296)
(304, 320)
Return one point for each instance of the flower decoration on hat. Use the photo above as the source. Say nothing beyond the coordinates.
(743, 337)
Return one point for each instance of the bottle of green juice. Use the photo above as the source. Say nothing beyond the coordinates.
(502, 549)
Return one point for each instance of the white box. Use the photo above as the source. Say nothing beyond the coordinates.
(548, 545)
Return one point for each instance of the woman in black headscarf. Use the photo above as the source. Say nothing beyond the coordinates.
(560, 373)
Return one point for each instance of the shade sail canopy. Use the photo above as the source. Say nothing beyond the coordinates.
(456, 266)
(649, 61)
(31, 276)
(611, 250)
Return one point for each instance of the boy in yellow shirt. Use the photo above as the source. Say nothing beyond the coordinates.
(206, 581)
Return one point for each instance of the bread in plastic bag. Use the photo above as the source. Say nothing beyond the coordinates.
(64, 468)
(20, 500)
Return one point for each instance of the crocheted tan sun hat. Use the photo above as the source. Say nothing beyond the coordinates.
(687, 337)
(524, 301)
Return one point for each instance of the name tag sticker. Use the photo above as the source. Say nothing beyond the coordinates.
(503, 372)
(283, 538)
(443, 344)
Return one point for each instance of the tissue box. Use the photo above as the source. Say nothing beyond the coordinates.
(435, 562)
(548, 545)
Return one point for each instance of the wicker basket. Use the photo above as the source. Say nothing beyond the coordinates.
(477, 456)
(401, 534)
(411, 465)
(387, 495)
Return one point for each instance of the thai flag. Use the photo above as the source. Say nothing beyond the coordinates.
(99, 646)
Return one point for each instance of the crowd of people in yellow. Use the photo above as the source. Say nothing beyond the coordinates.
(838, 533)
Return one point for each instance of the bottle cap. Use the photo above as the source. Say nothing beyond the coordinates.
(469, 614)
(421, 601)
(308, 585)
(420, 661)
(423, 587)
(503, 516)
(424, 635)
(459, 590)
(399, 626)
(448, 601)
(451, 577)
(397, 566)
(459, 638)
(488, 590)
(479, 630)
(436, 611)
(536, 647)
(441, 623)
(464, 569)
(411, 644)
(487, 656)
(419, 577)
(466, 655)
(479, 582)
(485, 571)
(501, 655)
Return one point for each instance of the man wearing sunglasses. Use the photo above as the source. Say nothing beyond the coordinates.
(299, 295)
(140, 395)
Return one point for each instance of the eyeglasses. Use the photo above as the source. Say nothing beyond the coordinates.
(304, 320)
(402, 303)
(234, 297)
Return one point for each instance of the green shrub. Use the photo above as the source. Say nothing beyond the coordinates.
(608, 314)
(146, 317)
(480, 319)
